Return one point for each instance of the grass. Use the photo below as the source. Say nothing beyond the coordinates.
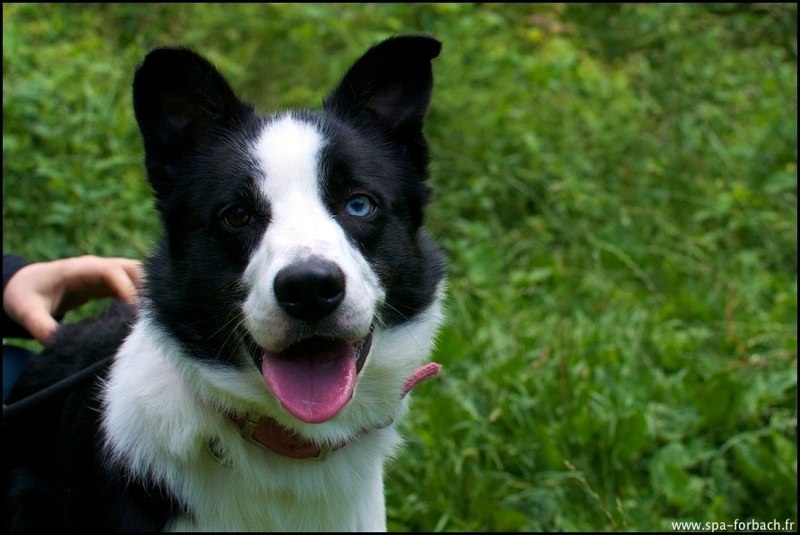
(616, 191)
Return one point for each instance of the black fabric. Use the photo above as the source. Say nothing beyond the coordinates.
(11, 329)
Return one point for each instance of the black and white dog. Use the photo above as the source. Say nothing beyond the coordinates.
(291, 304)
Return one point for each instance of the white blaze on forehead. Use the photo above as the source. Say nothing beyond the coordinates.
(288, 150)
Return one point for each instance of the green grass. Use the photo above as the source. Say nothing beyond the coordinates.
(616, 191)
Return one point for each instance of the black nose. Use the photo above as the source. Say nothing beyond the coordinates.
(311, 289)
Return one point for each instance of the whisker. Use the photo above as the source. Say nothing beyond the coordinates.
(425, 312)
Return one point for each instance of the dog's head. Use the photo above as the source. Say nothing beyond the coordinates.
(293, 248)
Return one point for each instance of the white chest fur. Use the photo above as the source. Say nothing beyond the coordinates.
(156, 426)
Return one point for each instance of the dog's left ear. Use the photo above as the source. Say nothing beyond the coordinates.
(391, 84)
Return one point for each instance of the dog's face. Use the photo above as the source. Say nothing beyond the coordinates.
(293, 243)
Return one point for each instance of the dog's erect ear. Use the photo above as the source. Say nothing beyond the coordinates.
(391, 83)
(178, 97)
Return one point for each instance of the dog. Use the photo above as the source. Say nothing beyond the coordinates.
(290, 305)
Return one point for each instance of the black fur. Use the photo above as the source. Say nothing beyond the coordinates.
(52, 450)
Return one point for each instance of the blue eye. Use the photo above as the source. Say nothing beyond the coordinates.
(360, 206)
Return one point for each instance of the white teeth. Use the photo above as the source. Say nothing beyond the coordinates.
(359, 347)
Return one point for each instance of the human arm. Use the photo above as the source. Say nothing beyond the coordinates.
(35, 294)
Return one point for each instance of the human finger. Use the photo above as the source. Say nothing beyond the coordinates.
(35, 317)
(123, 280)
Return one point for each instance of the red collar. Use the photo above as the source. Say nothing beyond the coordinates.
(270, 434)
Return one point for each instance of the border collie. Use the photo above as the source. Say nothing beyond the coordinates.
(289, 307)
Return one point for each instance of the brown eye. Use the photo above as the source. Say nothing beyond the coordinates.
(237, 216)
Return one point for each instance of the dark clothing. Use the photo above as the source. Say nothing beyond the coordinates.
(15, 359)
(10, 328)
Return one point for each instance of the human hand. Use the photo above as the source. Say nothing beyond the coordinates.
(39, 291)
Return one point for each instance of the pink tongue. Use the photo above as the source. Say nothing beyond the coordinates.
(314, 381)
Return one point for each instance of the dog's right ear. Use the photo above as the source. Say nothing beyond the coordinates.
(179, 98)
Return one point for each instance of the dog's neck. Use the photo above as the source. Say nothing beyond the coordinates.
(270, 434)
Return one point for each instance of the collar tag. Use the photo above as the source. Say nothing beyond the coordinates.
(324, 452)
(247, 431)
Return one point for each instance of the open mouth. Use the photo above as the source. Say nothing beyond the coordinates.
(315, 378)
